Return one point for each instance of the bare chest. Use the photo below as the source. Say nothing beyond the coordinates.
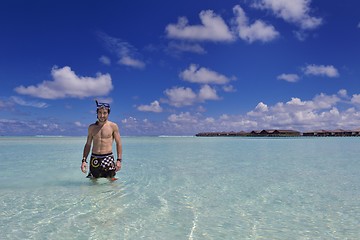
(104, 132)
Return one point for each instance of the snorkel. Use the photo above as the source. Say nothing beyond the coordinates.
(100, 105)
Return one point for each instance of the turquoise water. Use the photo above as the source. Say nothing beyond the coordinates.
(183, 188)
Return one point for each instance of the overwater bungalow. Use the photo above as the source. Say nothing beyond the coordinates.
(317, 133)
(255, 133)
(275, 133)
(332, 133)
(283, 133)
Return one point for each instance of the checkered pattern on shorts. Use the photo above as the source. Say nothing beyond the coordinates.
(108, 163)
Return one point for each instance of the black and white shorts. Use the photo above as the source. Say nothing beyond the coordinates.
(102, 165)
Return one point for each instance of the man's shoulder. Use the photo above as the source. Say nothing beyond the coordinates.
(112, 124)
(93, 125)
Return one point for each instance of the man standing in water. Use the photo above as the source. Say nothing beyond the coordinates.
(102, 135)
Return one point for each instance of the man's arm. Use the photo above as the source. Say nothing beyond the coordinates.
(86, 151)
(118, 146)
(87, 146)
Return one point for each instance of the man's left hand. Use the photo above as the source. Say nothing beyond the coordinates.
(118, 166)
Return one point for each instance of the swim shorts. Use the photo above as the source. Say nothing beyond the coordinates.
(102, 165)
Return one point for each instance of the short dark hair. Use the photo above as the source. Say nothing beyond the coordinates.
(97, 110)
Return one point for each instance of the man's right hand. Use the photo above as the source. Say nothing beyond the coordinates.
(83, 167)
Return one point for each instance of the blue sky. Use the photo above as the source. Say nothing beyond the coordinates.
(179, 67)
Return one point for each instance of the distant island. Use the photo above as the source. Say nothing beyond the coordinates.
(283, 133)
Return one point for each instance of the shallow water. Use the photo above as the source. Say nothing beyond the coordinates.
(183, 188)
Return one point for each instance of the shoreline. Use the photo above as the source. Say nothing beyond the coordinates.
(283, 133)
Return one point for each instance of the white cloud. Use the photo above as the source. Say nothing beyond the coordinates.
(22, 102)
(180, 96)
(105, 60)
(129, 120)
(294, 11)
(259, 109)
(323, 101)
(177, 48)
(296, 102)
(201, 109)
(153, 107)
(33, 127)
(229, 88)
(131, 62)
(207, 93)
(66, 83)
(321, 112)
(258, 31)
(318, 103)
(196, 74)
(356, 99)
(182, 118)
(224, 117)
(213, 28)
(7, 104)
(321, 70)
(343, 93)
(209, 120)
(127, 54)
(288, 77)
(79, 124)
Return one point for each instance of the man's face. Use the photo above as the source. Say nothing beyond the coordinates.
(103, 114)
